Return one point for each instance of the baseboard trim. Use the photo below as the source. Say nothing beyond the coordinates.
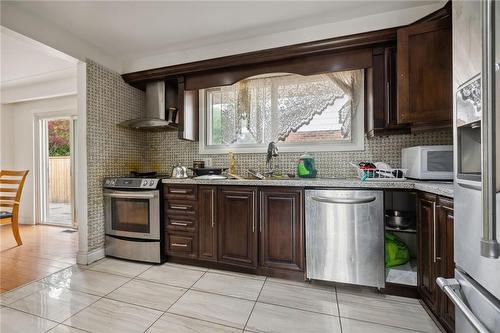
(87, 258)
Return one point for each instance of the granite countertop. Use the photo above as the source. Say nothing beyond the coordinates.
(440, 188)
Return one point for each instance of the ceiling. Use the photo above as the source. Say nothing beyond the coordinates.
(125, 29)
(23, 61)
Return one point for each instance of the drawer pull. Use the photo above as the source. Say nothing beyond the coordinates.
(180, 207)
(178, 191)
(179, 245)
(179, 223)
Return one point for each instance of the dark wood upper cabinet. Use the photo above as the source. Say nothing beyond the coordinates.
(207, 222)
(425, 73)
(237, 226)
(381, 94)
(281, 228)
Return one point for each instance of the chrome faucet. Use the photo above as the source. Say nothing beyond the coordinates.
(272, 151)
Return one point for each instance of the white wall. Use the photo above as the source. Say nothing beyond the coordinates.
(17, 141)
(37, 90)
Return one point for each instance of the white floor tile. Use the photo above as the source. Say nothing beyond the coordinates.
(179, 324)
(391, 313)
(108, 316)
(372, 292)
(119, 267)
(149, 294)
(230, 285)
(195, 268)
(18, 293)
(313, 284)
(308, 299)
(219, 309)
(172, 275)
(57, 304)
(65, 329)
(13, 321)
(277, 319)
(87, 281)
(356, 326)
(250, 276)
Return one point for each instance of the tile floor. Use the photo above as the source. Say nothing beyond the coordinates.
(45, 250)
(119, 296)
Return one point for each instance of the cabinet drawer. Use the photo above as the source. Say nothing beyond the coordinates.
(184, 208)
(181, 223)
(186, 192)
(182, 244)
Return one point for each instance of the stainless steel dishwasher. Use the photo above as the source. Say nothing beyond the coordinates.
(345, 236)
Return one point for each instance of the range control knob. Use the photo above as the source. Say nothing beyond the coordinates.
(144, 183)
(151, 182)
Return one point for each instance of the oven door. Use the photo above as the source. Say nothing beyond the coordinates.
(134, 214)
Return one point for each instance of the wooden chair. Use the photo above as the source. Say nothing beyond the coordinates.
(11, 187)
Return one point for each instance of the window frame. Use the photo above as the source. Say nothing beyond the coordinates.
(357, 142)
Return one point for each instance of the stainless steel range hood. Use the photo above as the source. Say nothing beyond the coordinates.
(155, 117)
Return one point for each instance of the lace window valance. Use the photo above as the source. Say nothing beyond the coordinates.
(281, 106)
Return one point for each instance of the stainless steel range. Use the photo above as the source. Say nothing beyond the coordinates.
(133, 218)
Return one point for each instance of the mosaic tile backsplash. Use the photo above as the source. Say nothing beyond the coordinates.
(115, 151)
(164, 150)
(111, 150)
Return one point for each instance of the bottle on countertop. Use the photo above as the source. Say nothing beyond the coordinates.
(306, 167)
(232, 163)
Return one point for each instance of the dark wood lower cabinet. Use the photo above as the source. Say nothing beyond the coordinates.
(237, 224)
(281, 228)
(427, 260)
(435, 240)
(446, 221)
(207, 222)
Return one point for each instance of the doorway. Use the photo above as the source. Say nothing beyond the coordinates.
(56, 169)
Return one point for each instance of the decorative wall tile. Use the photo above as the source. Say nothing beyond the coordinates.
(164, 150)
(111, 150)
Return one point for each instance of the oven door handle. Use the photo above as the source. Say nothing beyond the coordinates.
(129, 196)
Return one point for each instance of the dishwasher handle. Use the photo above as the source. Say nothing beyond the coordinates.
(348, 201)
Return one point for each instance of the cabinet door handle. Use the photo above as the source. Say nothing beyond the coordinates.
(178, 191)
(213, 208)
(387, 102)
(178, 245)
(253, 212)
(179, 223)
(179, 207)
(436, 258)
(261, 215)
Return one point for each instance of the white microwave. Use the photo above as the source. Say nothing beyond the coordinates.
(428, 162)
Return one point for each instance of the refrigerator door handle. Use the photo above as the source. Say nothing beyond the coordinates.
(489, 244)
(449, 287)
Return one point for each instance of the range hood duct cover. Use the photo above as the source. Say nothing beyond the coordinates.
(155, 110)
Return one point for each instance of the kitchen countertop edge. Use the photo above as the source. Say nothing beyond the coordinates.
(439, 188)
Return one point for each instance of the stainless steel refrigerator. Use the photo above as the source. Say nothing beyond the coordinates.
(475, 289)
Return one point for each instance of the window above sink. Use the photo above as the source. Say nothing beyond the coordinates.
(323, 112)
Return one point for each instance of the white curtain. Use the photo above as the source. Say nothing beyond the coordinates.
(263, 109)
